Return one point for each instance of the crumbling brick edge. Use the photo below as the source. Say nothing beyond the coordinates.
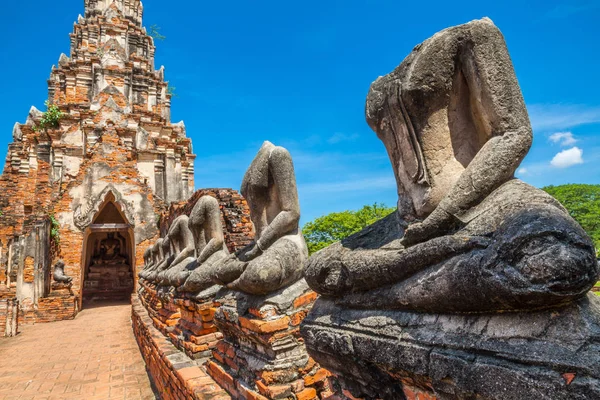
(173, 374)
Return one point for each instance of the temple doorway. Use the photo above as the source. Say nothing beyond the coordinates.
(108, 256)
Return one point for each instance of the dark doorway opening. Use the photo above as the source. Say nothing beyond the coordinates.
(109, 257)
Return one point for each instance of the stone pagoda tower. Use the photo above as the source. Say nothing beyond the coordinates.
(87, 187)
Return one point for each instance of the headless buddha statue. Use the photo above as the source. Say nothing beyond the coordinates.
(59, 273)
(153, 254)
(182, 246)
(147, 258)
(276, 258)
(165, 257)
(468, 236)
(209, 242)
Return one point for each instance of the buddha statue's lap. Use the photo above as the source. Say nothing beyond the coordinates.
(528, 254)
(467, 236)
(277, 267)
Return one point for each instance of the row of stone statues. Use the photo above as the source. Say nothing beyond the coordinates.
(468, 238)
(465, 228)
(193, 256)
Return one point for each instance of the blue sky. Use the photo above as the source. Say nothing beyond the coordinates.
(297, 73)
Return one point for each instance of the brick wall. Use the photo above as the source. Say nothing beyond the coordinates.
(174, 374)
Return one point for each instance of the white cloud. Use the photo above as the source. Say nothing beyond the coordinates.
(341, 137)
(568, 158)
(548, 117)
(563, 138)
(522, 171)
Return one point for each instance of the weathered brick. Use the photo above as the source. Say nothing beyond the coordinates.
(265, 326)
(307, 394)
(318, 377)
(305, 299)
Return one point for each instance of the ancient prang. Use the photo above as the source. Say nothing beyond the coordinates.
(477, 288)
(87, 180)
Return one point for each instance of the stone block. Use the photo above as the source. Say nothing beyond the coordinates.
(510, 356)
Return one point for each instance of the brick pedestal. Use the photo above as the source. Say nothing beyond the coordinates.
(161, 308)
(262, 355)
(195, 332)
(175, 375)
(60, 305)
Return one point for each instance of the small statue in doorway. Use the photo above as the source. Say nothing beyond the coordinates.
(110, 251)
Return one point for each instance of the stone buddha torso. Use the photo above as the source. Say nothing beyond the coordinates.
(264, 195)
(467, 235)
(277, 256)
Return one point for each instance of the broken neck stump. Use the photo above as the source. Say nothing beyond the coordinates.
(262, 355)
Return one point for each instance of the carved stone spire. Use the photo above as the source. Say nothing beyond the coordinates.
(130, 9)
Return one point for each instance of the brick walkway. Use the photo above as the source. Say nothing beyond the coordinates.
(94, 356)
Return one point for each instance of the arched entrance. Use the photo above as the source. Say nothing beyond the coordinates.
(108, 259)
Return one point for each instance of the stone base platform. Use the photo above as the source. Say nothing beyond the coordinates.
(175, 375)
(262, 355)
(552, 354)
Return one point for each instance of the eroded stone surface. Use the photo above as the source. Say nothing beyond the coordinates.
(499, 356)
(476, 251)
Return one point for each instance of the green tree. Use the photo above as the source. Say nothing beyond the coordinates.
(334, 227)
(154, 32)
(583, 203)
(172, 90)
(50, 118)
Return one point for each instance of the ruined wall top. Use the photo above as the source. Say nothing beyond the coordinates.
(130, 9)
